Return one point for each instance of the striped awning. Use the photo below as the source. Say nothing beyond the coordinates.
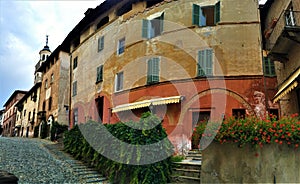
(287, 86)
(147, 103)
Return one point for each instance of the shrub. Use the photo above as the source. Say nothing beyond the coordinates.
(257, 132)
(158, 172)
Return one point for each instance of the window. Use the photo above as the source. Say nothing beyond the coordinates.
(29, 116)
(43, 57)
(52, 78)
(74, 88)
(75, 116)
(99, 73)
(46, 84)
(50, 104)
(153, 28)
(207, 15)
(153, 71)
(119, 81)
(24, 112)
(100, 43)
(269, 67)
(290, 17)
(75, 62)
(205, 59)
(44, 106)
(121, 46)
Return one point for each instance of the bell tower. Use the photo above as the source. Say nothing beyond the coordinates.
(44, 54)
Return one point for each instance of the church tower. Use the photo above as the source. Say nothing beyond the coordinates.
(44, 54)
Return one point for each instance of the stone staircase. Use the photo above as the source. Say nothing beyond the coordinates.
(188, 170)
(85, 173)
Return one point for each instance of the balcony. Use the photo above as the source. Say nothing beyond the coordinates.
(283, 35)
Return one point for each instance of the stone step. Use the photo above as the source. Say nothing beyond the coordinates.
(187, 172)
(188, 179)
(95, 180)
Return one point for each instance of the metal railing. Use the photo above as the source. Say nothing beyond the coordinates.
(287, 19)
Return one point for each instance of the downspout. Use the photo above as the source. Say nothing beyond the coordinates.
(70, 93)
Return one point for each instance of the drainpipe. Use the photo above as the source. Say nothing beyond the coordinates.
(70, 93)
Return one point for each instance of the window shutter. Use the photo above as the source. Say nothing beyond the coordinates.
(100, 73)
(145, 28)
(155, 70)
(161, 19)
(209, 58)
(149, 76)
(196, 15)
(100, 43)
(217, 12)
(201, 61)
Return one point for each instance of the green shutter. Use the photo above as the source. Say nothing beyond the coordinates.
(196, 15)
(209, 58)
(99, 73)
(205, 65)
(201, 62)
(153, 70)
(145, 28)
(217, 12)
(161, 19)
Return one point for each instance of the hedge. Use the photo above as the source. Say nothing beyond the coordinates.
(75, 143)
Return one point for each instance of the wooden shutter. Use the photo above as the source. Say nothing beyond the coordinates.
(201, 61)
(196, 15)
(145, 28)
(100, 43)
(217, 12)
(205, 64)
(100, 73)
(153, 70)
(161, 19)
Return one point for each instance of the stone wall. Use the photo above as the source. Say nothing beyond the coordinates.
(227, 163)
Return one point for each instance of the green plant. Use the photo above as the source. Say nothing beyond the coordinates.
(257, 132)
(152, 132)
(177, 158)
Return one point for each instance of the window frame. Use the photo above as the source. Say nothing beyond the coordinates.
(74, 88)
(198, 17)
(121, 46)
(153, 70)
(268, 67)
(75, 116)
(100, 43)
(75, 62)
(147, 26)
(119, 81)
(205, 58)
(99, 77)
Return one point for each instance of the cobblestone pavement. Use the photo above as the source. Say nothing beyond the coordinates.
(40, 161)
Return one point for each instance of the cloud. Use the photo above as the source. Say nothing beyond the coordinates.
(24, 26)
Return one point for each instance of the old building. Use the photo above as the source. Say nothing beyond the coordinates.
(26, 118)
(186, 61)
(281, 28)
(1, 120)
(9, 120)
(54, 91)
(27, 112)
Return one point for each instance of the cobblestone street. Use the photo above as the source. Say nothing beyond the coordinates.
(40, 161)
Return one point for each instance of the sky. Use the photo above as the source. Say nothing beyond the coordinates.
(24, 25)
